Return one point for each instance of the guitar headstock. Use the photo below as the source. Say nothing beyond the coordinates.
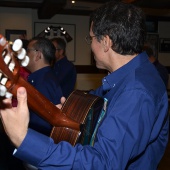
(11, 57)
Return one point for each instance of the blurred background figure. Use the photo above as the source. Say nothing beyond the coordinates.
(41, 52)
(64, 69)
(161, 68)
(39, 74)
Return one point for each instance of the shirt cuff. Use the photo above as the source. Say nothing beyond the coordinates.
(33, 147)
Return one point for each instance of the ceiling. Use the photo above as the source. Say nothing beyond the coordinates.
(48, 8)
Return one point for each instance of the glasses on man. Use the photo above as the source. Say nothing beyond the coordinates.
(89, 39)
(31, 49)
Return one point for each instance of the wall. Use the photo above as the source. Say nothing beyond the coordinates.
(82, 53)
(164, 32)
(89, 81)
(17, 18)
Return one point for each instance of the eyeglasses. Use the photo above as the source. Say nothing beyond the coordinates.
(31, 49)
(89, 39)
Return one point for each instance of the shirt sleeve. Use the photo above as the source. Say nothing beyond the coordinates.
(126, 130)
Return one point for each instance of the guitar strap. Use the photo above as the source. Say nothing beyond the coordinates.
(103, 111)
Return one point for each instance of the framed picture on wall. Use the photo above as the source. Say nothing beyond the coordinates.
(153, 41)
(152, 26)
(164, 45)
(12, 35)
(43, 29)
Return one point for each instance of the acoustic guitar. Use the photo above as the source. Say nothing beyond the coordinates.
(75, 121)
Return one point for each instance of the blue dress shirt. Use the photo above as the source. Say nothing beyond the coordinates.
(46, 82)
(66, 74)
(132, 135)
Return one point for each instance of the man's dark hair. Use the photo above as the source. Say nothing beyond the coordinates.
(46, 47)
(123, 23)
(25, 43)
(61, 43)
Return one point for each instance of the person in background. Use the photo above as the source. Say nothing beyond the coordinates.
(132, 130)
(64, 69)
(161, 68)
(42, 53)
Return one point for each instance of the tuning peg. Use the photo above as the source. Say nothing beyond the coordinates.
(7, 59)
(2, 41)
(8, 95)
(4, 80)
(11, 66)
(22, 54)
(3, 90)
(25, 61)
(17, 45)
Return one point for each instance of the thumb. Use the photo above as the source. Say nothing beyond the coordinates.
(62, 100)
(22, 97)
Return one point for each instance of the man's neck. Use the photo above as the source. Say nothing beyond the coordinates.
(59, 58)
(40, 67)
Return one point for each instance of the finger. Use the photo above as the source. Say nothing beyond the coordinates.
(59, 106)
(62, 100)
(7, 100)
(22, 97)
(5, 103)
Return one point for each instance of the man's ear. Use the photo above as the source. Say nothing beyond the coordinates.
(107, 43)
(38, 55)
(61, 52)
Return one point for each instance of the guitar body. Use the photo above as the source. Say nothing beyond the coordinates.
(77, 118)
(83, 108)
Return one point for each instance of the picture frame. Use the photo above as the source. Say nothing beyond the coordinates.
(12, 35)
(164, 45)
(41, 27)
(153, 41)
(151, 26)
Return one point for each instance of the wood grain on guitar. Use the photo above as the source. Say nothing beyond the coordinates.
(73, 123)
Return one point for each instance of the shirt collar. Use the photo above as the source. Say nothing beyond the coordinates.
(38, 73)
(113, 78)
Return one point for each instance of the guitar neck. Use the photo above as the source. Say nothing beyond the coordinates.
(43, 107)
(11, 79)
